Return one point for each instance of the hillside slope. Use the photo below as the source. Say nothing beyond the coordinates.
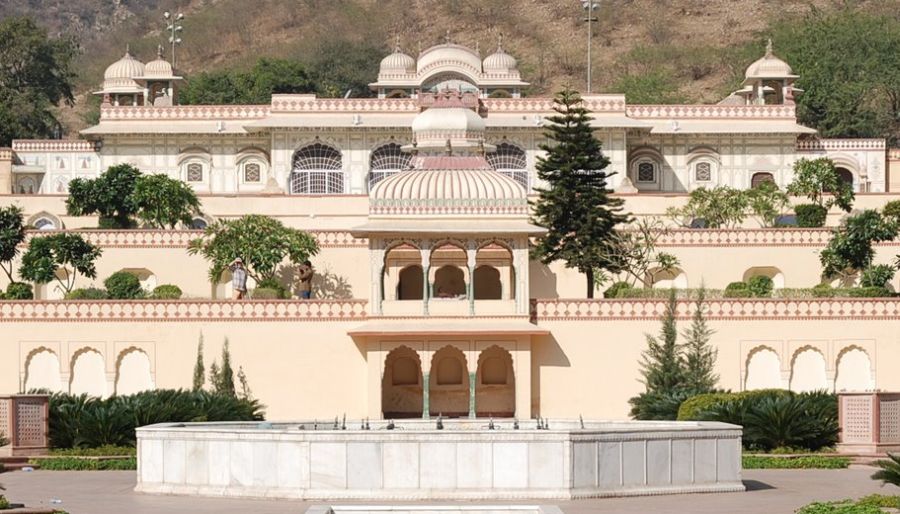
(701, 45)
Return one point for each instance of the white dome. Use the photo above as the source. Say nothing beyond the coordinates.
(121, 73)
(158, 68)
(769, 67)
(397, 63)
(450, 54)
(452, 119)
(452, 191)
(499, 61)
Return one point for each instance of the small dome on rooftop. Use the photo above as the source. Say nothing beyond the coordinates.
(122, 72)
(499, 61)
(397, 62)
(769, 67)
(159, 67)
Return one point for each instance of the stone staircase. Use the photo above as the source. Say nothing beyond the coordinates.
(16, 463)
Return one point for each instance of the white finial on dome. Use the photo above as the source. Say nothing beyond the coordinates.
(447, 39)
(769, 50)
(500, 42)
(397, 44)
(499, 61)
(159, 51)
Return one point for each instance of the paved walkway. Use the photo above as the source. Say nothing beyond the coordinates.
(110, 492)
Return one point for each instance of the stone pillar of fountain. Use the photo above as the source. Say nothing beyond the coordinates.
(425, 385)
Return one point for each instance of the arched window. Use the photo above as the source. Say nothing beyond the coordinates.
(759, 178)
(410, 283)
(44, 224)
(199, 224)
(510, 160)
(26, 186)
(252, 173)
(703, 172)
(194, 172)
(317, 170)
(385, 161)
(846, 176)
(646, 171)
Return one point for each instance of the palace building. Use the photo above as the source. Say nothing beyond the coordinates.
(426, 298)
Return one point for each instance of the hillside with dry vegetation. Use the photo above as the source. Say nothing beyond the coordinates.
(691, 50)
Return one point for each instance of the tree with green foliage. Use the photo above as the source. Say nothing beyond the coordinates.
(633, 249)
(648, 87)
(36, 75)
(719, 207)
(699, 354)
(225, 383)
(61, 257)
(768, 203)
(161, 202)
(889, 470)
(108, 195)
(12, 234)
(260, 241)
(341, 65)
(576, 207)
(849, 69)
(817, 178)
(851, 247)
(252, 87)
(199, 370)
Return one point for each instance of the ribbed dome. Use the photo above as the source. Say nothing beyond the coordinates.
(158, 68)
(452, 191)
(397, 62)
(769, 67)
(499, 61)
(448, 119)
(122, 72)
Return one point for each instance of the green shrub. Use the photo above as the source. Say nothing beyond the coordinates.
(265, 293)
(613, 290)
(889, 472)
(737, 290)
(100, 451)
(891, 209)
(2, 295)
(90, 422)
(872, 504)
(760, 286)
(88, 293)
(123, 285)
(800, 462)
(19, 291)
(4, 503)
(275, 285)
(736, 286)
(810, 215)
(693, 406)
(823, 291)
(779, 419)
(84, 464)
(868, 292)
(878, 275)
(167, 292)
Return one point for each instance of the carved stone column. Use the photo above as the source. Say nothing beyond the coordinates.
(471, 253)
(376, 263)
(426, 268)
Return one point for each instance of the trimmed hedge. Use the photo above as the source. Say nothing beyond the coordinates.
(265, 293)
(167, 292)
(613, 290)
(123, 285)
(794, 462)
(88, 293)
(820, 291)
(19, 291)
(872, 504)
(810, 215)
(84, 464)
(691, 408)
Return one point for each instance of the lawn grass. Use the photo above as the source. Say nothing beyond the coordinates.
(795, 462)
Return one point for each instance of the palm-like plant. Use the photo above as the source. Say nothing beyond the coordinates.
(890, 470)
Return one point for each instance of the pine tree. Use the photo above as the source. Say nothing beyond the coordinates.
(662, 365)
(226, 375)
(199, 371)
(575, 207)
(699, 355)
(215, 377)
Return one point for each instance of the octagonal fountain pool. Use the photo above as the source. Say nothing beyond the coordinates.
(431, 459)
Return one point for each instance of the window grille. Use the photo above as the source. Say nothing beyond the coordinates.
(703, 172)
(646, 172)
(317, 170)
(385, 161)
(195, 172)
(252, 172)
(510, 160)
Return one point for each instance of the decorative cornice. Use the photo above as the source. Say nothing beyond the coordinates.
(735, 309)
(712, 112)
(181, 238)
(6, 154)
(841, 144)
(54, 145)
(182, 310)
(185, 112)
(815, 237)
(894, 154)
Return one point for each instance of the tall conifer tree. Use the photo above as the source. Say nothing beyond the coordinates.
(575, 206)
(199, 370)
(699, 355)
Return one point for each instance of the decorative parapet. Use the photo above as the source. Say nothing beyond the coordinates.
(712, 112)
(817, 237)
(310, 103)
(6, 154)
(735, 309)
(841, 144)
(54, 145)
(182, 310)
(894, 154)
(185, 112)
(181, 238)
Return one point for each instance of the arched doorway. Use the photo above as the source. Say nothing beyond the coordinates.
(495, 390)
(448, 390)
(401, 385)
(846, 176)
(449, 282)
(487, 283)
(409, 283)
(808, 371)
(759, 179)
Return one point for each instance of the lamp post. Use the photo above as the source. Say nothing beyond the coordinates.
(174, 27)
(590, 6)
